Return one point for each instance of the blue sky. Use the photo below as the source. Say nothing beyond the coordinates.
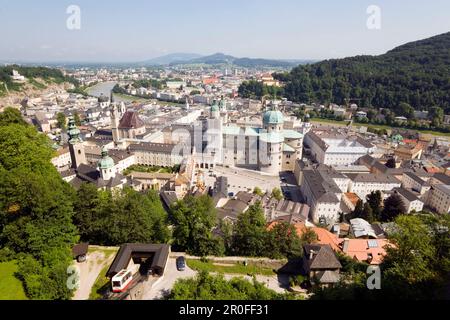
(136, 30)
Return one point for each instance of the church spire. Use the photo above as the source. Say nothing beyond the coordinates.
(73, 131)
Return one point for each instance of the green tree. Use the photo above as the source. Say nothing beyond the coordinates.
(258, 191)
(408, 264)
(126, 216)
(404, 109)
(76, 118)
(277, 194)
(309, 236)
(375, 201)
(393, 207)
(209, 287)
(61, 120)
(194, 219)
(367, 213)
(35, 210)
(359, 210)
(250, 232)
(282, 241)
(11, 116)
(87, 203)
(437, 116)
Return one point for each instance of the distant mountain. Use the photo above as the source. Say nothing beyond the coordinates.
(416, 73)
(220, 58)
(217, 58)
(171, 58)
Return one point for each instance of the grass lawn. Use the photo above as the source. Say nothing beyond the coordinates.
(107, 251)
(151, 169)
(102, 282)
(329, 121)
(11, 288)
(130, 98)
(237, 268)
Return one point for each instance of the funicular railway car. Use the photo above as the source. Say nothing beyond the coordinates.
(121, 281)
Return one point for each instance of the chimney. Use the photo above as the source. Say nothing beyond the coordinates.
(311, 254)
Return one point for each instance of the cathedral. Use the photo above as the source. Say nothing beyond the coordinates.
(270, 149)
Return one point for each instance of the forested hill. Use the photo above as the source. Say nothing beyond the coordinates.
(417, 73)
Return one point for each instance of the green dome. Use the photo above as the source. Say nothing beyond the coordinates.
(106, 162)
(73, 131)
(273, 117)
(215, 107)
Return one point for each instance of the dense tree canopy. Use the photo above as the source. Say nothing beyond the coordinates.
(250, 237)
(415, 75)
(194, 219)
(250, 232)
(35, 209)
(209, 287)
(107, 218)
(256, 90)
(393, 207)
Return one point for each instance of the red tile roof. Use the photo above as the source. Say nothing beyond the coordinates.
(131, 120)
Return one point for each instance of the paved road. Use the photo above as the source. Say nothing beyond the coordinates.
(89, 272)
(171, 275)
(290, 185)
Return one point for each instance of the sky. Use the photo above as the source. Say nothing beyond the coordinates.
(138, 30)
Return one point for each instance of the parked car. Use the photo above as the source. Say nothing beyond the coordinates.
(181, 263)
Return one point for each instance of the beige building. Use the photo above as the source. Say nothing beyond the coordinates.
(439, 198)
(157, 154)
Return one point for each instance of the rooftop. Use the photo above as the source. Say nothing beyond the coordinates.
(131, 120)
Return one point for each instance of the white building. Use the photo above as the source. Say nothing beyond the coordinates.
(364, 184)
(63, 160)
(337, 149)
(322, 194)
(269, 149)
(411, 201)
(412, 181)
(157, 154)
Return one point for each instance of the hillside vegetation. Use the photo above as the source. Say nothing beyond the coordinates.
(36, 76)
(417, 73)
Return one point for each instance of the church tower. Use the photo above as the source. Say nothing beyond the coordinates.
(215, 135)
(215, 111)
(76, 146)
(115, 118)
(271, 142)
(106, 166)
(186, 105)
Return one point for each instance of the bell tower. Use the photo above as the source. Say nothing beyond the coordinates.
(76, 147)
(115, 123)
